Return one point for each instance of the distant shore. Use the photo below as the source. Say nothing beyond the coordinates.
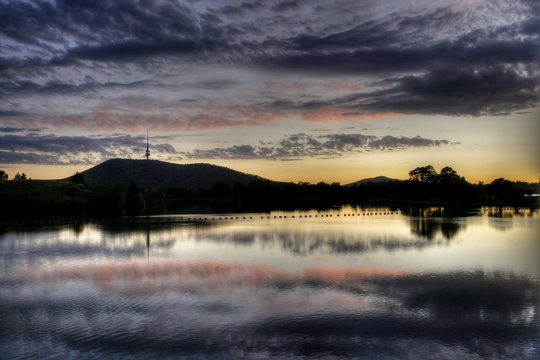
(43, 200)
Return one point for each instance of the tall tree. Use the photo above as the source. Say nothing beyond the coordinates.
(425, 174)
(449, 176)
(20, 176)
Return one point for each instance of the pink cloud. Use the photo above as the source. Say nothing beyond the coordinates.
(206, 273)
(113, 118)
(235, 283)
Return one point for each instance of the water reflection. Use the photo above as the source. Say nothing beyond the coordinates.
(201, 308)
(390, 285)
(429, 228)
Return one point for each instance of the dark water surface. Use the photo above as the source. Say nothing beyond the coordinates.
(342, 284)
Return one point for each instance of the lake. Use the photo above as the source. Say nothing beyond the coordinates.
(344, 283)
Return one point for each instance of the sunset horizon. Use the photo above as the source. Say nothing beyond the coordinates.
(290, 91)
(279, 174)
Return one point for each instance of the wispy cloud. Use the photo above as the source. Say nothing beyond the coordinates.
(411, 58)
(299, 146)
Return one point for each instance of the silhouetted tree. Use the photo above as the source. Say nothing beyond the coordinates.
(500, 188)
(3, 175)
(449, 176)
(425, 174)
(78, 178)
(20, 176)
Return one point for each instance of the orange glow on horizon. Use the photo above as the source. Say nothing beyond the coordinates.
(292, 171)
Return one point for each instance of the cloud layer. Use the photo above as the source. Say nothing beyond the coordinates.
(299, 146)
(480, 58)
(128, 66)
(63, 150)
(16, 148)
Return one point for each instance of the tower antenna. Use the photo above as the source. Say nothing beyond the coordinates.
(147, 153)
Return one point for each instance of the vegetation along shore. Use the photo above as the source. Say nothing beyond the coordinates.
(78, 198)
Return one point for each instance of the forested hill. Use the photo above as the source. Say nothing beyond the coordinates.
(154, 174)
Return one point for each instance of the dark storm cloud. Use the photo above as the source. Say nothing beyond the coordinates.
(410, 42)
(66, 31)
(489, 90)
(391, 59)
(483, 72)
(54, 150)
(456, 91)
(298, 146)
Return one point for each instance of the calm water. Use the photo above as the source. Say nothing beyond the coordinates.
(347, 283)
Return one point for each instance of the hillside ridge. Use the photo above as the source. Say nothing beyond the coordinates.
(155, 174)
(376, 179)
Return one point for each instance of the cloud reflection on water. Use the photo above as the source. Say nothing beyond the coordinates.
(193, 307)
(342, 288)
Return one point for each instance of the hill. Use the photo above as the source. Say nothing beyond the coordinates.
(377, 179)
(154, 174)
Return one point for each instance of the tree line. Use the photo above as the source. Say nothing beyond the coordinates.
(425, 186)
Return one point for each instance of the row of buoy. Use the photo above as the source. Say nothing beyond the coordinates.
(45, 222)
(261, 217)
(498, 209)
(209, 218)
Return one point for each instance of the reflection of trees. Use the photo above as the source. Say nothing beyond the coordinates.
(33, 245)
(301, 242)
(424, 228)
(77, 227)
(304, 243)
(449, 229)
(428, 228)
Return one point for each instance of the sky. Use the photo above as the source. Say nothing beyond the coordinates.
(293, 90)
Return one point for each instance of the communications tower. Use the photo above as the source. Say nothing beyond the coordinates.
(147, 153)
